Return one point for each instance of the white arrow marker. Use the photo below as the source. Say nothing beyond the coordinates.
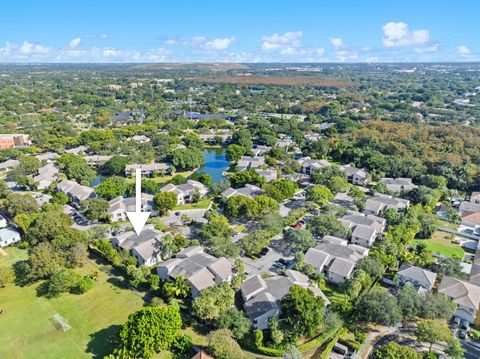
(138, 218)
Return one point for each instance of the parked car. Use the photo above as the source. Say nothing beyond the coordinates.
(462, 334)
(464, 324)
(264, 251)
(456, 322)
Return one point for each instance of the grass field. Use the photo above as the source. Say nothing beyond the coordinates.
(26, 326)
(333, 293)
(202, 204)
(441, 242)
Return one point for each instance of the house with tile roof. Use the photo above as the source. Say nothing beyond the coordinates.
(186, 192)
(465, 295)
(416, 276)
(146, 247)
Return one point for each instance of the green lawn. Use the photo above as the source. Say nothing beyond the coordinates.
(26, 326)
(13, 255)
(441, 243)
(333, 293)
(202, 204)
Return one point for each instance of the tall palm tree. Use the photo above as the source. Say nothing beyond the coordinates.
(178, 289)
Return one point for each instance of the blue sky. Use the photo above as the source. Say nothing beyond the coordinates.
(239, 31)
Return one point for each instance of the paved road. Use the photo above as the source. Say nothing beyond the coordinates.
(263, 264)
(371, 340)
(472, 349)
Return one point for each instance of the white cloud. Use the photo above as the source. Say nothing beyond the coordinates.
(284, 43)
(171, 42)
(463, 50)
(319, 52)
(336, 42)
(220, 43)
(429, 49)
(110, 52)
(75, 43)
(396, 34)
(29, 48)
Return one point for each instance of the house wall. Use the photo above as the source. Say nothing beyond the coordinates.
(335, 278)
(362, 242)
(7, 241)
(262, 321)
(463, 312)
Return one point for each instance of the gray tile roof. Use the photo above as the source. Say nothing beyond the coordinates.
(417, 274)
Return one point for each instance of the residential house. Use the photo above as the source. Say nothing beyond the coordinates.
(9, 165)
(470, 216)
(140, 139)
(8, 236)
(356, 176)
(119, 206)
(249, 190)
(75, 192)
(268, 175)
(465, 295)
(310, 165)
(416, 276)
(186, 192)
(146, 247)
(77, 150)
(129, 116)
(148, 170)
(202, 355)
(247, 162)
(381, 202)
(262, 296)
(365, 228)
(397, 185)
(364, 235)
(325, 254)
(260, 150)
(47, 156)
(96, 160)
(474, 277)
(200, 270)
(46, 175)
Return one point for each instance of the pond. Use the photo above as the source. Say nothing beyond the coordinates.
(97, 181)
(215, 163)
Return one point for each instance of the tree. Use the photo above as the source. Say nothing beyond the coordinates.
(113, 187)
(250, 176)
(16, 203)
(234, 152)
(300, 239)
(455, 350)
(393, 350)
(325, 225)
(433, 331)
(187, 158)
(151, 329)
(373, 266)
(234, 320)
(379, 306)
(62, 282)
(179, 288)
(193, 140)
(254, 242)
(43, 262)
(96, 209)
(302, 311)
(243, 138)
(409, 302)
(201, 177)
(281, 189)
(449, 266)
(222, 345)
(115, 166)
(7, 276)
(319, 194)
(213, 301)
(217, 234)
(164, 202)
(76, 168)
(59, 198)
(28, 165)
(436, 306)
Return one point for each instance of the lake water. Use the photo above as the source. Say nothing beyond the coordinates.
(215, 163)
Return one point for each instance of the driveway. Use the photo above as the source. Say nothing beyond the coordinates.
(263, 264)
(176, 219)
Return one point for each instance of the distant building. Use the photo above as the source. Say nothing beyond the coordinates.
(397, 185)
(148, 170)
(186, 192)
(381, 202)
(14, 140)
(309, 165)
(268, 175)
(201, 270)
(8, 236)
(119, 206)
(96, 160)
(248, 190)
(357, 176)
(146, 248)
(129, 116)
(9, 165)
(475, 197)
(260, 150)
(75, 192)
(46, 176)
(470, 216)
(47, 156)
(247, 162)
(3, 222)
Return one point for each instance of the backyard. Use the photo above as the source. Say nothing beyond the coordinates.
(441, 242)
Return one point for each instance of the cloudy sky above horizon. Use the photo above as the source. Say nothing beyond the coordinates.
(239, 31)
